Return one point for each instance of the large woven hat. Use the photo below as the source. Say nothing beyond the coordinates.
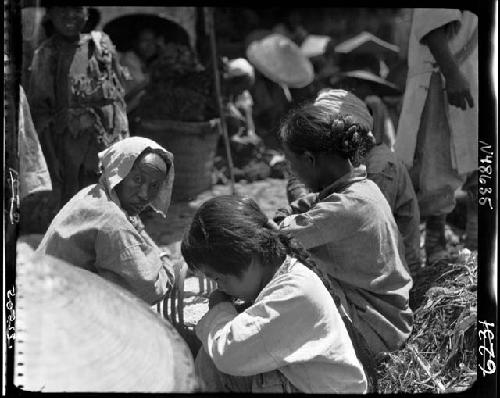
(280, 60)
(77, 332)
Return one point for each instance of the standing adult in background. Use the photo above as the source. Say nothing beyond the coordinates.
(438, 126)
(76, 100)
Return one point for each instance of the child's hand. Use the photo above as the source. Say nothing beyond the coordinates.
(218, 296)
(280, 215)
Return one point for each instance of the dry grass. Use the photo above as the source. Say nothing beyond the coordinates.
(440, 355)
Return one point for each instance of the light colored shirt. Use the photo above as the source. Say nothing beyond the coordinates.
(294, 327)
(351, 235)
(33, 172)
(391, 176)
(463, 124)
(93, 232)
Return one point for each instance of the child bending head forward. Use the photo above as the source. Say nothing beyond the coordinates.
(291, 337)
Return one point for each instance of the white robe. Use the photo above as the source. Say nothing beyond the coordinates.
(463, 123)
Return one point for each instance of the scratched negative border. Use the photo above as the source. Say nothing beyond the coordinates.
(487, 326)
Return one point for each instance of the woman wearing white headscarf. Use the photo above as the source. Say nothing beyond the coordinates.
(99, 228)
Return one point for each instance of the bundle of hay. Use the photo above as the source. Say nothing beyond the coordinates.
(440, 355)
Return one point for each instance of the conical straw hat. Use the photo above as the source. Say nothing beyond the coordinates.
(281, 60)
(77, 332)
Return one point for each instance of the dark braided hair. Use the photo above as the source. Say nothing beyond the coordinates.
(315, 128)
(227, 232)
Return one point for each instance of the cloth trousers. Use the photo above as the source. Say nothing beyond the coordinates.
(212, 380)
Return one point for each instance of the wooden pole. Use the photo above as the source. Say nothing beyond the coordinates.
(209, 20)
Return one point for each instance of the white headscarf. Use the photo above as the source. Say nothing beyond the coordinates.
(117, 161)
(343, 102)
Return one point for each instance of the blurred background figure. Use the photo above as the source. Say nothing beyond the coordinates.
(247, 147)
(138, 60)
(280, 66)
(292, 27)
(76, 99)
(362, 70)
(238, 79)
(438, 127)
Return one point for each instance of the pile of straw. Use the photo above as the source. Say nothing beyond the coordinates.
(440, 355)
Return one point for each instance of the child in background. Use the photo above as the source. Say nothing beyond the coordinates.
(346, 224)
(76, 100)
(291, 338)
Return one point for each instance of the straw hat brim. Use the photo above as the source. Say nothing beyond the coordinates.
(366, 43)
(379, 85)
(280, 60)
(77, 332)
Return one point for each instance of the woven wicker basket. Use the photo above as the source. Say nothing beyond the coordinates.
(193, 145)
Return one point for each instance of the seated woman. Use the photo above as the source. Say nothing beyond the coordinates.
(99, 229)
(346, 224)
(291, 337)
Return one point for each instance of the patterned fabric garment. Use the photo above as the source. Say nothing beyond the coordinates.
(350, 233)
(78, 87)
(76, 100)
(93, 232)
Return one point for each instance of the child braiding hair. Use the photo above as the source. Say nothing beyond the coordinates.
(232, 241)
(228, 231)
